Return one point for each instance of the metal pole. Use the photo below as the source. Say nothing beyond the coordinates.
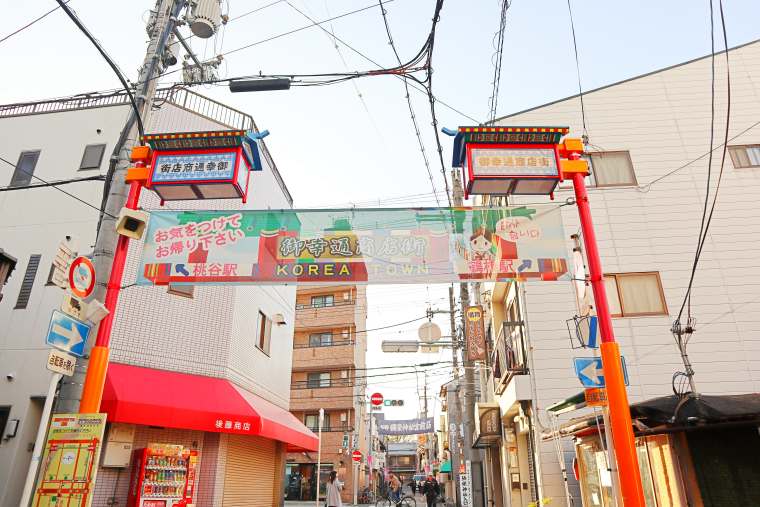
(620, 414)
(104, 253)
(612, 464)
(356, 481)
(453, 401)
(319, 452)
(39, 442)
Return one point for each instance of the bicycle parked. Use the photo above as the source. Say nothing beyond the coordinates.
(404, 501)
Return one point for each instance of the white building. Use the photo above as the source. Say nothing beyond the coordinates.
(211, 339)
(648, 139)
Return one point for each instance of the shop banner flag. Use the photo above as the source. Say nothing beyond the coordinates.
(405, 426)
(414, 245)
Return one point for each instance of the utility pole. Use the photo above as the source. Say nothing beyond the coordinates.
(469, 373)
(452, 401)
(93, 369)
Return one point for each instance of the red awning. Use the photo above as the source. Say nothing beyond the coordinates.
(137, 395)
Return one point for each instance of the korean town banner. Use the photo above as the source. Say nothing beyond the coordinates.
(415, 245)
(405, 426)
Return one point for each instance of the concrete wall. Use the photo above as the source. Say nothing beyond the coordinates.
(663, 120)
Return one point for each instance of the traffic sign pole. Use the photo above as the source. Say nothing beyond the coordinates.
(94, 382)
(620, 412)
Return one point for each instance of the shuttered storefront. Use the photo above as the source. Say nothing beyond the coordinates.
(250, 472)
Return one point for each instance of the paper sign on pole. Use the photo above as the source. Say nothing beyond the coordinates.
(70, 460)
(475, 333)
(61, 362)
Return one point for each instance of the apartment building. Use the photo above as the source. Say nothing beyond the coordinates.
(168, 352)
(329, 360)
(648, 148)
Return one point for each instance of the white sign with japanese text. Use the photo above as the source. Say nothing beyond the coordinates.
(61, 362)
(465, 485)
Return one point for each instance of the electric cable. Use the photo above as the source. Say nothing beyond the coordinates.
(54, 185)
(409, 104)
(578, 70)
(496, 59)
(31, 23)
(108, 59)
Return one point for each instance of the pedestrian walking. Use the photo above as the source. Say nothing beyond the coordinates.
(431, 490)
(413, 484)
(333, 487)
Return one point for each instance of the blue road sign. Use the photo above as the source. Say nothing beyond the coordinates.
(590, 373)
(67, 333)
(593, 324)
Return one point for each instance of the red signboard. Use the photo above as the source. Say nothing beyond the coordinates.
(356, 456)
(376, 399)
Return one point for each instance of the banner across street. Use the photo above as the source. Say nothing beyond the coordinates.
(420, 245)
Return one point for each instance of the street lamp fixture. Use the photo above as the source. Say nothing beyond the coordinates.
(259, 85)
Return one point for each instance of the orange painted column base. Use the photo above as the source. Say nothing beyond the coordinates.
(620, 420)
(95, 380)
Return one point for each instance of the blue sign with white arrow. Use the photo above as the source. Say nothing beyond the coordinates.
(590, 372)
(67, 333)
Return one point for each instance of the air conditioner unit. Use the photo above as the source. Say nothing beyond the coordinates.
(345, 333)
(344, 374)
(346, 296)
(343, 417)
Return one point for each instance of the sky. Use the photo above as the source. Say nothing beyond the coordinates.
(335, 148)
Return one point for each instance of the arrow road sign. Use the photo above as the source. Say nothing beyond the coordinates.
(67, 333)
(590, 372)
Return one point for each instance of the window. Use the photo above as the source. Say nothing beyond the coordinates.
(311, 421)
(320, 339)
(612, 169)
(27, 161)
(264, 334)
(321, 301)
(318, 379)
(7, 265)
(635, 294)
(745, 156)
(92, 157)
(5, 413)
(28, 282)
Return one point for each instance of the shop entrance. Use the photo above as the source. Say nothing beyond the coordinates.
(299, 480)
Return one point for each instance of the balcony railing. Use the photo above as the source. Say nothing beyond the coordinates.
(333, 343)
(325, 305)
(337, 427)
(509, 356)
(322, 384)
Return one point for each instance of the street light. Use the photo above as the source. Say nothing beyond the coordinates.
(259, 85)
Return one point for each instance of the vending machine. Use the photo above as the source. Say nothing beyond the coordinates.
(163, 475)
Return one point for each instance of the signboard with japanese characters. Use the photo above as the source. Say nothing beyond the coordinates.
(465, 485)
(423, 245)
(405, 427)
(194, 167)
(514, 162)
(61, 362)
(475, 333)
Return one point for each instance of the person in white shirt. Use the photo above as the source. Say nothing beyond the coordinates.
(333, 488)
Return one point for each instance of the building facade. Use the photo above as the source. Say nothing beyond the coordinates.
(648, 144)
(169, 352)
(329, 361)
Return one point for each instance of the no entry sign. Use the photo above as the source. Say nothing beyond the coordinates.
(376, 399)
(81, 277)
(356, 456)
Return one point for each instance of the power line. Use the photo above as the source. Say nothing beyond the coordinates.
(54, 185)
(496, 60)
(108, 59)
(409, 104)
(31, 23)
(366, 330)
(577, 70)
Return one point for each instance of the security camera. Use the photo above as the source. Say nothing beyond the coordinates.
(10, 376)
